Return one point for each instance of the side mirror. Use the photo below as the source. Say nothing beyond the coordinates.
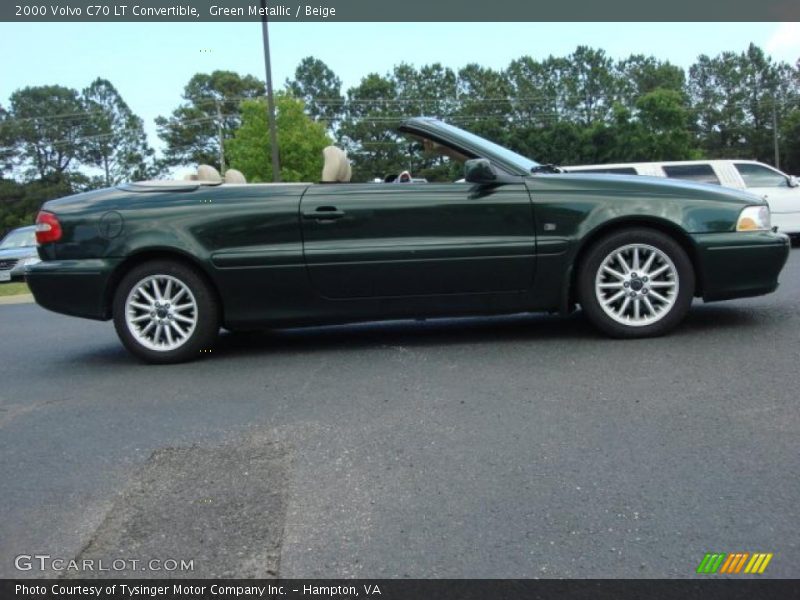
(480, 170)
(793, 181)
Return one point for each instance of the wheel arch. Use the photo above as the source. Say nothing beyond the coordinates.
(146, 255)
(664, 226)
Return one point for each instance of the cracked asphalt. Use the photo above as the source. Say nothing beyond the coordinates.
(523, 446)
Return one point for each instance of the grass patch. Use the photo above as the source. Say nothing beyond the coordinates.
(13, 289)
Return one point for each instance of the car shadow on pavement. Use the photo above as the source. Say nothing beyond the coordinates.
(534, 328)
(431, 332)
(442, 332)
(717, 317)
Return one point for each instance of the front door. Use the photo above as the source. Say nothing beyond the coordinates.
(368, 240)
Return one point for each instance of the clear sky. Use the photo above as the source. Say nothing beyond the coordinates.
(150, 63)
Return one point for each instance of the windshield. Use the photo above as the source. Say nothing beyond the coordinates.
(19, 239)
(504, 153)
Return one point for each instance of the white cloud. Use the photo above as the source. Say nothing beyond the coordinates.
(785, 40)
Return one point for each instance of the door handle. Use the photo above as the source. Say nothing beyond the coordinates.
(324, 213)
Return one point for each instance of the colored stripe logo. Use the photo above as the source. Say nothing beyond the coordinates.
(733, 563)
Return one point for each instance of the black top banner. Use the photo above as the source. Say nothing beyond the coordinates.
(406, 11)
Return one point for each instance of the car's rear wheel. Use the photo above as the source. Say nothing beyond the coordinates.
(165, 312)
(636, 283)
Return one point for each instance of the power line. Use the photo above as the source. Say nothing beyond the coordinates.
(68, 141)
(406, 100)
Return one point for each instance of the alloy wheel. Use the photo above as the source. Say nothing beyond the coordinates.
(161, 312)
(637, 285)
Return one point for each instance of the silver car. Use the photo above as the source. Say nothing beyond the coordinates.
(17, 250)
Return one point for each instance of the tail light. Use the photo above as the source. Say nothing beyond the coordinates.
(48, 229)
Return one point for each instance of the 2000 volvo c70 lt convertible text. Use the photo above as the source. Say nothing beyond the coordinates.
(171, 262)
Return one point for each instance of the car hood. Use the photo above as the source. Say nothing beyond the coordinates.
(637, 185)
(19, 252)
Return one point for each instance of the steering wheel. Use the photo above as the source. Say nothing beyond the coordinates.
(404, 177)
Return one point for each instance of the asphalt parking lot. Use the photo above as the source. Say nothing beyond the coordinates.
(527, 446)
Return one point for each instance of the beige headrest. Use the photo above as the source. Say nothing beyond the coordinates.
(336, 168)
(234, 176)
(208, 173)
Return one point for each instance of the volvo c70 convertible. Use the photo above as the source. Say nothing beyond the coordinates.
(171, 262)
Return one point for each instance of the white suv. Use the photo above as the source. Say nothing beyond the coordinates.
(781, 191)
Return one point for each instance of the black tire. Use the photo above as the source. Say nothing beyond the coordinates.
(205, 313)
(670, 316)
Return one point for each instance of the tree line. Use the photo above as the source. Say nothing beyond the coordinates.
(56, 140)
(582, 108)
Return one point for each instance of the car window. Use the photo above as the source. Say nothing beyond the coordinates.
(760, 176)
(520, 161)
(701, 173)
(608, 171)
(432, 161)
(18, 239)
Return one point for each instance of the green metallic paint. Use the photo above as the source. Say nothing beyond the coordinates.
(418, 240)
(391, 251)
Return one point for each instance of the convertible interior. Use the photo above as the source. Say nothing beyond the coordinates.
(337, 168)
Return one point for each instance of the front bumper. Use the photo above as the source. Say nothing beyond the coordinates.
(740, 264)
(72, 287)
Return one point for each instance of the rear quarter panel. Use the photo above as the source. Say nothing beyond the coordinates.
(246, 239)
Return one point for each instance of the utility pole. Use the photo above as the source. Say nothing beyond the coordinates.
(775, 133)
(219, 135)
(273, 134)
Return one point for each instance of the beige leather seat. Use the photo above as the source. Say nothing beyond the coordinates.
(336, 168)
(234, 176)
(210, 174)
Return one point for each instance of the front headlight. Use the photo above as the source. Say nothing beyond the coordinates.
(754, 218)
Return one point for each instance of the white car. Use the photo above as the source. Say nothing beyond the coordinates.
(17, 250)
(781, 191)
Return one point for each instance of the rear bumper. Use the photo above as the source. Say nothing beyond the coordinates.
(737, 265)
(72, 287)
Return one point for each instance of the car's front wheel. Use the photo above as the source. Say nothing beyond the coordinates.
(165, 312)
(636, 283)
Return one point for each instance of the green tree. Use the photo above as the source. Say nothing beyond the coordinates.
(319, 88)
(367, 132)
(790, 134)
(484, 102)
(638, 75)
(6, 143)
(537, 91)
(117, 143)
(211, 102)
(560, 143)
(589, 85)
(46, 128)
(664, 127)
(428, 91)
(300, 142)
(734, 96)
(19, 202)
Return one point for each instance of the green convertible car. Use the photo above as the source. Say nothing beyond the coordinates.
(172, 262)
